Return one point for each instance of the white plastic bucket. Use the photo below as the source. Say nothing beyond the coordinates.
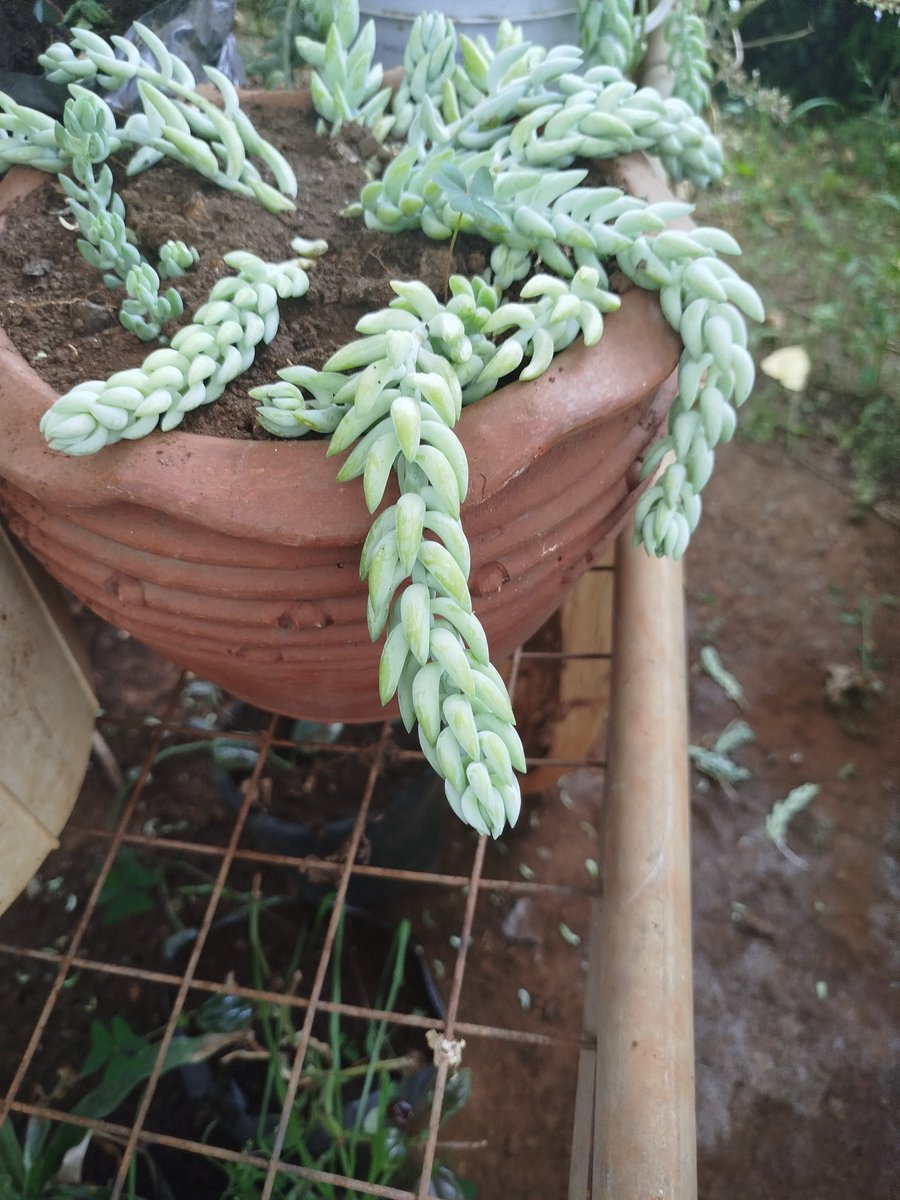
(548, 22)
(47, 711)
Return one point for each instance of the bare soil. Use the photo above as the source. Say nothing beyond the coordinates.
(63, 318)
(796, 963)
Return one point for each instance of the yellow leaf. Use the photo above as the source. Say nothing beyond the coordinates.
(789, 366)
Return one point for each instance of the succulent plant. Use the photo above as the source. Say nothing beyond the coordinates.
(195, 368)
(176, 121)
(503, 170)
(493, 147)
(687, 59)
(84, 139)
(429, 66)
(176, 259)
(344, 82)
(609, 33)
(84, 142)
(490, 151)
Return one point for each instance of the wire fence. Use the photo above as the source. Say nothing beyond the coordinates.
(139, 821)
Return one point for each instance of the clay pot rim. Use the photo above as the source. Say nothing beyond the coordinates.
(502, 433)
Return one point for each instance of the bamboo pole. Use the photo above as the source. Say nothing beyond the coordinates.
(641, 1005)
(654, 70)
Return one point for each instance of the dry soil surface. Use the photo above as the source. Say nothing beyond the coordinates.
(796, 961)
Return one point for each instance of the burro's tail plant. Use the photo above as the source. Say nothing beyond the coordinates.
(202, 359)
(175, 121)
(85, 137)
(495, 139)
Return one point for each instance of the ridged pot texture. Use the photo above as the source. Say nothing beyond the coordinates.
(239, 559)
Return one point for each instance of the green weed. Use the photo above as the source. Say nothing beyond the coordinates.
(360, 1109)
(817, 209)
(354, 1113)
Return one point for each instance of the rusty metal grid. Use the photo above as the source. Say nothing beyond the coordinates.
(221, 857)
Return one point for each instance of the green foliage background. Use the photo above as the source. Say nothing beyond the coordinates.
(850, 55)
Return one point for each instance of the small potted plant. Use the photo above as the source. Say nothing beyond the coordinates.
(495, 146)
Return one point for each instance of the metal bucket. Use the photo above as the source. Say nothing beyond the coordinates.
(549, 22)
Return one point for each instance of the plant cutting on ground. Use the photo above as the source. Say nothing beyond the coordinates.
(494, 145)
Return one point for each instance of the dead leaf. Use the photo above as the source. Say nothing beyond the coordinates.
(750, 922)
(788, 366)
(849, 685)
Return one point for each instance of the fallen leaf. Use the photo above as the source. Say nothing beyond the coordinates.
(848, 685)
(750, 922)
(788, 366)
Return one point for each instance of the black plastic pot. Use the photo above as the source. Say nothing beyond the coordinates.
(404, 829)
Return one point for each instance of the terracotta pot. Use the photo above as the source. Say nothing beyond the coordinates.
(238, 559)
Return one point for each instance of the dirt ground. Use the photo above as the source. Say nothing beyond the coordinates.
(796, 993)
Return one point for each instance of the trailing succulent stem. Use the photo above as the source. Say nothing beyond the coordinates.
(84, 141)
(494, 144)
(394, 396)
(216, 140)
(608, 33)
(202, 359)
(85, 138)
(613, 33)
(687, 58)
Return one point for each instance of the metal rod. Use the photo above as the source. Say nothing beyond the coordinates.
(209, 1150)
(451, 1027)
(644, 1120)
(187, 976)
(65, 962)
(322, 969)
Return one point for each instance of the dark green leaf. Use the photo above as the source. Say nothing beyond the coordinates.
(129, 889)
(456, 1093)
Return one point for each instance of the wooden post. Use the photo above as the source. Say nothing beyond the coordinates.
(640, 1002)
